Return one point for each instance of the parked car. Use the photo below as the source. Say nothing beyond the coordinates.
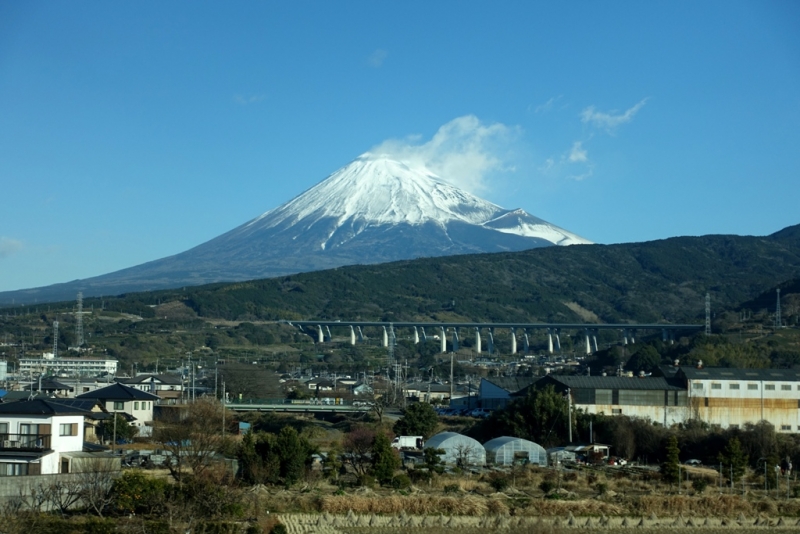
(693, 462)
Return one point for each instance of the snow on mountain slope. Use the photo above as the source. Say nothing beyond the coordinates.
(375, 190)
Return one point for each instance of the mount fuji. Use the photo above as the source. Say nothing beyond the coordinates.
(373, 210)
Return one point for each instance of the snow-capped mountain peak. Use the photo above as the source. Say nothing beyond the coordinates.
(376, 190)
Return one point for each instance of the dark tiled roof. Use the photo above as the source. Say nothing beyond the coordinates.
(38, 407)
(145, 379)
(512, 383)
(48, 385)
(80, 404)
(723, 373)
(612, 382)
(119, 392)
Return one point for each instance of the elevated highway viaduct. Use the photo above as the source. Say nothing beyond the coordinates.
(321, 331)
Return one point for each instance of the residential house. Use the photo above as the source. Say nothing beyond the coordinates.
(119, 398)
(35, 436)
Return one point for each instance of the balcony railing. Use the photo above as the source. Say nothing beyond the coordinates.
(24, 442)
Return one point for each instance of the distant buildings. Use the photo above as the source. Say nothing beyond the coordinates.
(721, 397)
(83, 366)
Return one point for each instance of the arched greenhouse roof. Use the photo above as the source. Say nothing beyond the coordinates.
(507, 450)
(458, 449)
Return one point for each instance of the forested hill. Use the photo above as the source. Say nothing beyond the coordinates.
(662, 280)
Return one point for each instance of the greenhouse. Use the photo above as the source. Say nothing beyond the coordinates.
(458, 450)
(509, 451)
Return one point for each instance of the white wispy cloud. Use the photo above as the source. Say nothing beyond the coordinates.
(247, 100)
(464, 152)
(612, 119)
(578, 153)
(547, 106)
(377, 58)
(9, 246)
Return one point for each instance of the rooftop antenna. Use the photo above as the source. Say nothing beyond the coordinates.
(708, 314)
(55, 339)
(778, 320)
(79, 321)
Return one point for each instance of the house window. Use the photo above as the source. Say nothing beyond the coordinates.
(616, 411)
(733, 386)
(8, 469)
(716, 386)
(752, 386)
(786, 387)
(3, 430)
(119, 405)
(786, 427)
(769, 387)
(136, 405)
(697, 385)
(68, 429)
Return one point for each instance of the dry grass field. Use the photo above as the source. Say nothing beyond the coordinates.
(415, 524)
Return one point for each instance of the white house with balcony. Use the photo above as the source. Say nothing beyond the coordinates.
(36, 437)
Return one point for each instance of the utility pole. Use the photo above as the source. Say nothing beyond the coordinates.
(569, 414)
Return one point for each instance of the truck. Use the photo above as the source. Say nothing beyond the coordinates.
(407, 442)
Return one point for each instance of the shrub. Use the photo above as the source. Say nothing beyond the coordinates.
(451, 488)
(601, 488)
(401, 482)
(499, 481)
(547, 485)
(280, 528)
(699, 484)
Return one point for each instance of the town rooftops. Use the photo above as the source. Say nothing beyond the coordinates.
(511, 383)
(147, 378)
(725, 373)
(605, 382)
(39, 407)
(119, 392)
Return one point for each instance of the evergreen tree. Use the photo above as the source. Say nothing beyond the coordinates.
(385, 460)
(733, 460)
(670, 469)
(418, 419)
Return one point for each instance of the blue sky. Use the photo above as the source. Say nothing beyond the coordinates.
(130, 131)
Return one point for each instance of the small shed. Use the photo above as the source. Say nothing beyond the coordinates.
(507, 450)
(458, 449)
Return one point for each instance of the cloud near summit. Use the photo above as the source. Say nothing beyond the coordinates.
(464, 152)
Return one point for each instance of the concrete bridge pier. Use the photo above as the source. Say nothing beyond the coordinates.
(320, 335)
(416, 336)
(513, 341)
(664, 335)
(478, 347)
(352, 335)
(633, 337)
(625, 337)
(558, 339)
(443, 341)
(594, 340)
(360, 334)
(422, 331)
(671, 337)
(549, 341)
(526, 345)
(455, 339)
(328, 335)
(588, 342)
(385, 341)
(491, 341)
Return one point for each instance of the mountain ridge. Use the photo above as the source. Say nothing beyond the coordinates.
(373, 210)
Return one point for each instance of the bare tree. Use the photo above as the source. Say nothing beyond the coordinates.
(63, 492)
(192, 436)
(466, 455)
(95, 483)
(357, 447)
